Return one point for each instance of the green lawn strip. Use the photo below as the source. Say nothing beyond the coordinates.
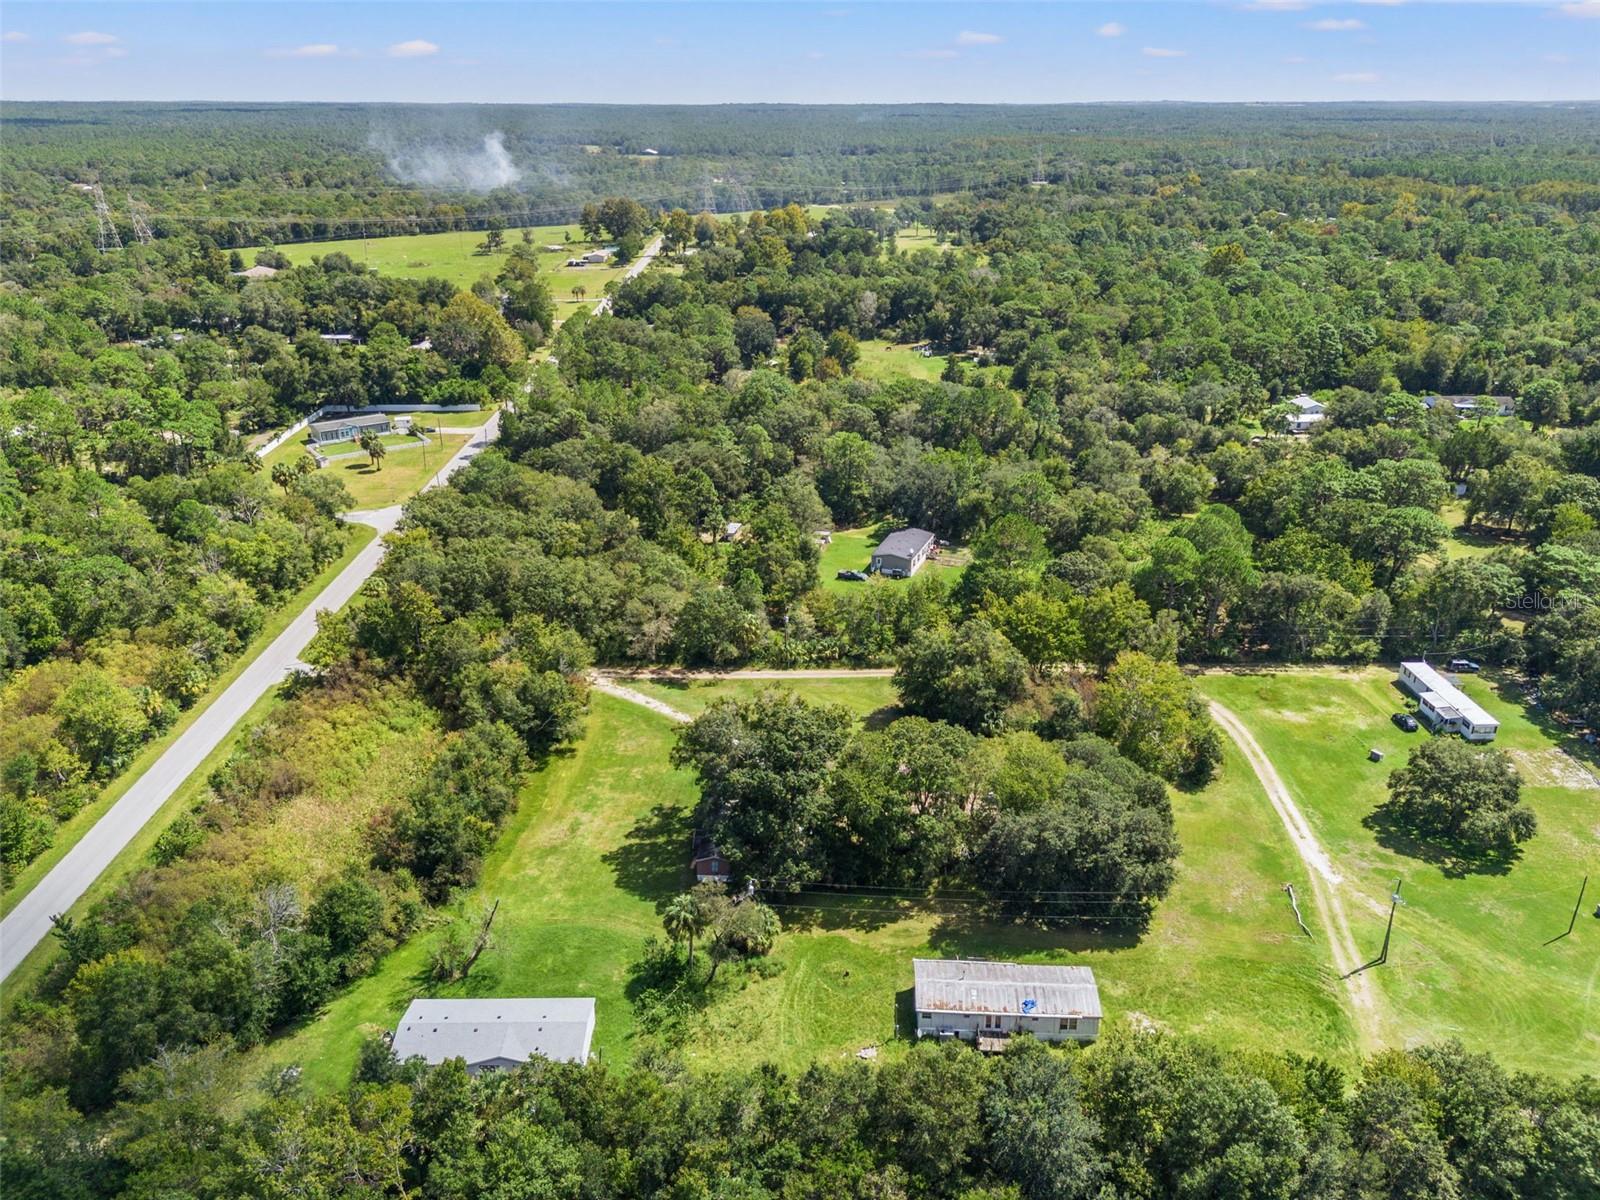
(69, 832)
(601, 838)
(851, 550)
(24, 979)
(884, 360)
(863, 695)
(1468, 957)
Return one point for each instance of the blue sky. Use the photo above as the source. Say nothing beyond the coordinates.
(835, 52)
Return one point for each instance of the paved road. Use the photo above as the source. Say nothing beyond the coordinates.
(646, 257)
(28, 923)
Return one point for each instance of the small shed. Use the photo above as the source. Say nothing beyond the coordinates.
(708, 862)
(903, 552)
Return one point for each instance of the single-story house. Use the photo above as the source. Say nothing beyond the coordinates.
(708, 862)
(1306, 414)
(1474, 406)
(424, 344)
(596, 256)
(340, 338)
(494, 1035)
(986, 1002)
(349, 429)
(903, 552)
(259, 271)
(1446, 707)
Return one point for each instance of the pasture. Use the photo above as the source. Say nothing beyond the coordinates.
(454, 257)
(1471, 955)
(881, 361)
(600, 841)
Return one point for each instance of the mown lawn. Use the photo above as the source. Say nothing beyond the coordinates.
(601, 839)
(851, 550)
(863, 695)
(882, 360)
(1469, 957)
(402, 473)
(454, 257)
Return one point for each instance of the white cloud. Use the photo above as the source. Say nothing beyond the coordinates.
(1336, 25)
(1277, 5)
(815, 55)
(1294, 59)
(15, 35)
(1582, 8)
(1162, 52)
(90, 38)
(311, 50)
(1357, 77)
(1383, 3)
(1112, 29)
(416, 48)
(969, 38)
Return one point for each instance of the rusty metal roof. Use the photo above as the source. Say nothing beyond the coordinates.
(965, 985)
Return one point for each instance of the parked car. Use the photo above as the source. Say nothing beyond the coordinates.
(852, 576)
(895, 573)
(1464, 664)
(1405, 721)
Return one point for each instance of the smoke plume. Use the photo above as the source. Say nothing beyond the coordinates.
(443, 166)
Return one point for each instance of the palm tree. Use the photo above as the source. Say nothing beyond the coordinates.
(579, 292)
(283, 474)
(681, 920)
(373, 445)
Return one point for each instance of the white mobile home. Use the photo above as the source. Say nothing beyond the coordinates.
(986, 1002)
(1305, 414)
(1446, 707)
(494, 1035)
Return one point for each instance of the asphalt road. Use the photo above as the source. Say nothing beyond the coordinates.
(29, 922)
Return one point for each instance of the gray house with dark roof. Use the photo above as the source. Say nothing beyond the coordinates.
(986, 1002)
(903, 552)
(494, 1035)
(349, 429)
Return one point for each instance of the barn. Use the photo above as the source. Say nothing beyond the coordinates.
(986, 1002)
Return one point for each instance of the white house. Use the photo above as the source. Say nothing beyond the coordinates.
(1305, 415)
(1446, 707)
(349, 429)
(986, 1002)
(903, 552)
(493, 1035)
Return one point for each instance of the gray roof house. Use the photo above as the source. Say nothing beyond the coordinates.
(493, 1035)
(902, 552)
(986, 1002)
(346, 429)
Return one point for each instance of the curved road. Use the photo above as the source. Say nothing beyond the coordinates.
(28, 923)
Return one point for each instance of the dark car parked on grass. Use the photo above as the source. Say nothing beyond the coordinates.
(852, 576)
(1464, 664)
(1405, 721)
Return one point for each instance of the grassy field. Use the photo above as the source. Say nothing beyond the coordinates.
(402, 474)
(917, 237)
(454, 257)
(69, 832)
(851, 550)
(881, 360)
(862, 695)
(600, 841)
(1465, 543)
(1469, 957)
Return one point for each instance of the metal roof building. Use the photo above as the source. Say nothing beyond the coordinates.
(1445, 705)
(903, 551)
(496, 1034)
(986, 1001)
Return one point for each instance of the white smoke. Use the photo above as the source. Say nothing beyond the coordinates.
(489, 166)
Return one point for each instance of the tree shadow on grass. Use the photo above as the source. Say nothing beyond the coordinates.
(980, 935)
(653, 863)
(811, 912)
(1455, 862)
(881, 718)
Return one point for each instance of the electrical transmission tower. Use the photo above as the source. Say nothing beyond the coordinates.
(141, 227)
(107, 238)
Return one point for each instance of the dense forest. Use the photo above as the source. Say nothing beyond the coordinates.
(1107, 445)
